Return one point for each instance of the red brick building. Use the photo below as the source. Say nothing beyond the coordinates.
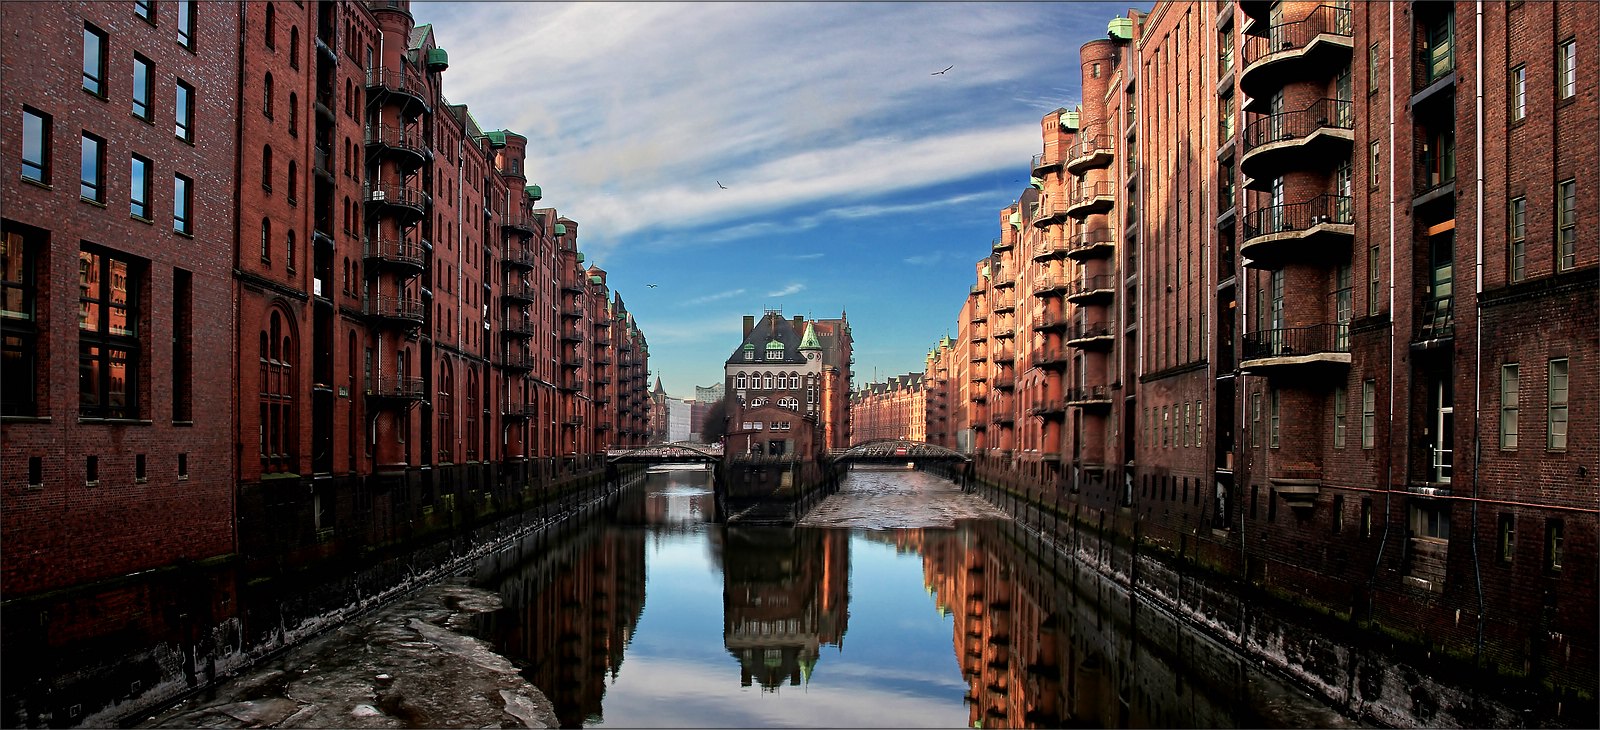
(896, 408)
(1284, 311)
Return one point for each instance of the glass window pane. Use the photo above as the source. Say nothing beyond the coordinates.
(90, 179)
(139, 188)
(93, 59)
(33, 146)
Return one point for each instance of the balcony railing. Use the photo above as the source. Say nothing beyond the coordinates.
(1088, 395)
(1294, 341)
(1297, 34)
(1092, 286)
(517, 361)
(396, 81)
(1001, 243)
(402, 309)
(407, 140)
(521, 293)
(1291, 217)
(1053, 355)
(1048, 407)
(1050, 249)
(1088, 330)
(1051, 284)
(518, 410)
(1098, 240)
(396, 387)
(1050, 320)
(394, 251)
(1091, 150)
(398, 195)
(519, 257)
(1089, 198)
(1320, 115)
(1046, 160)
(518, 223)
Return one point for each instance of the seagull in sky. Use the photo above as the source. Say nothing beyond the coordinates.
(720, 185)
(652, 286)
(941, 73)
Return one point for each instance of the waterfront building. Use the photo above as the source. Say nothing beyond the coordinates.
(776, 378)
(896, 408)
(1241, 334)
(837, 353)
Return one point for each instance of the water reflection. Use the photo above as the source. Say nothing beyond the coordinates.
(978, 626)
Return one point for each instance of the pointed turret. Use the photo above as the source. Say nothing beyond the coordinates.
(809, 340)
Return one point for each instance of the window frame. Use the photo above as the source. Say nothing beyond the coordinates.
(1566, 220)
(182, 193)
(1557, 404)
(1510, 405)
(145, 10)
(1517, 95)
(1517, 239)
(187, 10)
(44, 140)
(146, 90)
(1369, 413)
(1567, 69)
(183, 111)
(139, 194)
(96, 188)
(1341, 408)
(94, 80)
(129, 342)
(20, 256)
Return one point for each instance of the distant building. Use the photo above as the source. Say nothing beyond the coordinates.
(894, 409)
(775, 380)
(704, 397)
(678, 419)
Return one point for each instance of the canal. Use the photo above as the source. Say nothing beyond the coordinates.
(899, 602)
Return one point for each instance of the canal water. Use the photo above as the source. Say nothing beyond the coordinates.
(899, 602)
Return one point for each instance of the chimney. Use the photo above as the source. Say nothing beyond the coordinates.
(749, 324)
(799, 324)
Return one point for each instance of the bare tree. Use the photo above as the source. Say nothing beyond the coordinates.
(716, 423)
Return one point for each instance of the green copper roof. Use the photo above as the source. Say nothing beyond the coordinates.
(561, 229)
(594, 279)
(534, 192)
(809, 341)
(438, 60)
(580, 257)
(497, 138)
(1035, 183)
(749, 346)
(774, 345)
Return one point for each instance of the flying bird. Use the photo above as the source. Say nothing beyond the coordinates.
(941, 73)
(652, 286)
(720, 185)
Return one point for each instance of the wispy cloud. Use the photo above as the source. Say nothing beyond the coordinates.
(803, 256)
(927, 259)
(711, 298)
(794, 288)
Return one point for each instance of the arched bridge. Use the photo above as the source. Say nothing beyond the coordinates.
(673, 453)
(897, 451)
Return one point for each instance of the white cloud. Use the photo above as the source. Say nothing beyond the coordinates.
(712, 297)
(794, 288)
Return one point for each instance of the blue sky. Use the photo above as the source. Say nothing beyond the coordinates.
(856, 179)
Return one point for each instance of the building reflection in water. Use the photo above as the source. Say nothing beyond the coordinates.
(786, 595)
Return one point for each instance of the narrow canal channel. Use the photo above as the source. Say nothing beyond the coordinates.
(899, 602)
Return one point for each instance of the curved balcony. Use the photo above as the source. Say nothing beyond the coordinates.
(1004, 281)
(1052, 356)
(1002, 333)
(518, 411)
(1092, 198)
(1093, 289)
(1089, 152)
(518, 362)
(1047, 321)
(1003, 417)
(1098, 242)
(396, 253)
(519, 224)
(405, 88)
(518, 258)
(517, 294)
(1049, 408)
(1089, 396)
(1047, 250)
(572, 336)
(1004, 381)
(1004, 355)
(400, 311)
(572, 362)
(395, 388)
(514, 328)
(404, 145)
(1003, 302)
(1313, 47)
(1045, 161)
(1050, 211)
(572, 311)
(573, 286)
(1002, 243)
(1315, 135)
(1051, 286)
(1317, 231)
(1316, 347)
(1090, 335)
(405, 202)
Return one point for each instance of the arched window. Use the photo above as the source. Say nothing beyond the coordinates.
(266, 97)
(266, 241)
(278, 428)
(346, 275)
(271, 28)
(447, 433)
(344, 214)
(294, 47)
(349, 97)
(266, 167)
(294, 182)
(739, 381)
(355, 423)
(472, 414)
(294, 115)
(289, 253)
(768, 381)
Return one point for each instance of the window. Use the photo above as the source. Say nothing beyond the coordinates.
(92, 180)
(1567, 225)
(294, 182)
(139, 474)
(1517, 252)
(1506, 539)
(1224, 51)
(143, 87)
(91, 471)
(186, 11)
(1225, 118)
(739, 381)
(294, 115)
(35, 472)
(1509, 387)
(182, 346)
(266, 241)
(294, 47)
(289, 252)
(20, 248)
(183, 112)
(145, 9)
(35, 146)
(1519, 93)
(266, 168)
(1188, 413)
(1373, 286)
(1567, 69)
(1366, 517)
(1166, 425)
(1557, 418)
(139, 188)
(1555, 538)
(1369, 413)
(266, 96)
(181, 221)
(1338, 514)
(108, 334)
(1341, 404)
(1374, 62)
(278, 432)
(271, 27)
(94, 60)
(1372, 164)
(1275, 425)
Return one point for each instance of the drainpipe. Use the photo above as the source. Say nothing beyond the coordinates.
(238, 174)
(1394, 354)
(1477, 320)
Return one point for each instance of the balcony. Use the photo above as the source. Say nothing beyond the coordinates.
(1050, 286)
(1048, 212)
(1096, 289)
(404, 145)
(1277, 351)
(1004, 355)
(519, 224)
(1049, 408)
(1047, 321)
(572, 362)
(401, 311)
(404, 202)
(518, 411)
(1097, 242)
(1089, 396)
(1437, 323)
(1045, 161)
(572, 286)
(397, 253)
(517, 294)
(1004, 301)
(572, 311)
(572, 336)
(1306, 49)
(1312, 137)
(1003, 417)
(1004, 280)
(395, 388)
(1317, 231)
(517, 329)
(517, 362)
(1005, 332)
(518, 257)
(1091, 151)
(979, 288)
(573, 421)
(401, 86)
(1004, 381)
(1090, 335)
(978, 317)
(1002, 243)
(1047, 250)
(1052, 356)
(1092, 199)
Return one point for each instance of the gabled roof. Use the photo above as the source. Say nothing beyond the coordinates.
(771, 329)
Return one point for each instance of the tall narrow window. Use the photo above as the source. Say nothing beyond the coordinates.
(1506, 539)
(143, 87)
(1341, 404)
(19, 251)
(139, 188)
(266, 96)
(182, 345)
(183, 112)
(277, 405)
(1225, 118)
(1519, 93)
(1557, 418)
(289, 252)
(109, 351)
(181, 221)
(266, 241)
(1275, 426)
(1567, 225)
(1343, 306)
(1567, 69)
(1509, 392)
(1255, 420)
(1555, 544)
(35, 146)
(1369, 413)
(294, 47)
(94, 60)
(1372, 164)
(1374, 276)
(294, 115)
(92, 180)
(1517, 249)
(1374, 63)
(270, 28)
(145, 9)
(266, 168)
(186, 12)
(294, 182)
(1225, 51)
